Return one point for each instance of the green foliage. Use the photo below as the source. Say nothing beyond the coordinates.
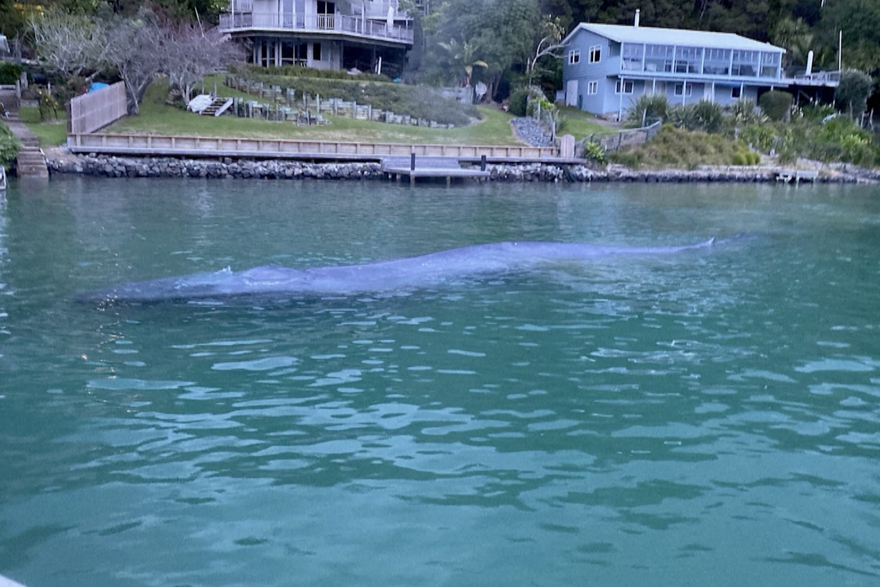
(9, 73)
(519, 100)
(745, 157)
(416, 101)
(295, 71)
(680, 148)
(682, 116)
(852, 93)
(775, 104)
(595, 152)
(709, 116)
(646, 108)
(9, 146)
(48, 107)
(839, 139)
(743, 111)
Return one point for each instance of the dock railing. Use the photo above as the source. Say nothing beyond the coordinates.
(176, 146)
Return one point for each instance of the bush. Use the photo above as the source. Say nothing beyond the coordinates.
(9, 146)
(415, 101)
(743, 111)
(519, 100)
(595, 152)
(680, 148)
(682, 116)
(646, 109)
(776, 104)
(9, 73)
(709, 116)
(851, 94)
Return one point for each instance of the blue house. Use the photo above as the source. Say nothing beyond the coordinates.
(607, 67)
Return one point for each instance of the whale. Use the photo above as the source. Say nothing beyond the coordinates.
(401, 274)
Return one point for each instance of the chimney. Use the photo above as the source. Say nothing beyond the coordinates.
(636, 23)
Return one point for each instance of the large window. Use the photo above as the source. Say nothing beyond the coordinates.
(687, 59)
(659, 58)
(595, 54)
(592, 88)
(626, 86)
(574, 56)
(769, 64)
(631, 56)
(745, 63)
(683, 90)
(717, 62)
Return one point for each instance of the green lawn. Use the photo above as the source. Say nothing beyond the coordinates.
(51, 134)
(581, 124)
(159, 119)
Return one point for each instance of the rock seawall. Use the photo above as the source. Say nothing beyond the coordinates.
(110, 166)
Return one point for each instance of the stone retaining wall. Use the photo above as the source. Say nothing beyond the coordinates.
(108, 166)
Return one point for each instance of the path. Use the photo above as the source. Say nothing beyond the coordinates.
(30, 163)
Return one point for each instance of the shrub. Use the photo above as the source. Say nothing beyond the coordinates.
(9, 146)
(415, 101)
(519, 100)
(680, 148)
(775, 104)
(682, 116)
(851, 94)
(9, 73)
(709, 116)
(646, 109)
(743, 111)
(595, 152)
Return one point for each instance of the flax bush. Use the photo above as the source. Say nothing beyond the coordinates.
(9, 146)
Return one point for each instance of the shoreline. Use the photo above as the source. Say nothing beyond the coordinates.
(61, 161)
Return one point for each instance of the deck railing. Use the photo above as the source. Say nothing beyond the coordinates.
(155, 145)
(318, 23)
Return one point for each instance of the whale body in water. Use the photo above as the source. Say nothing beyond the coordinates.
(381, 276)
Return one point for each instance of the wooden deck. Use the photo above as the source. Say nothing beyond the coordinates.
(414, 167)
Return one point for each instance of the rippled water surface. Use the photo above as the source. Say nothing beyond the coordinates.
(705, 418)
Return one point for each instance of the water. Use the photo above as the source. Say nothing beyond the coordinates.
(709, 418)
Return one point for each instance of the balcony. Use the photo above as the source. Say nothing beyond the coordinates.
(250, 22)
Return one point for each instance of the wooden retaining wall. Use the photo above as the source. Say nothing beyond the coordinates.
(153, 145)
(89, 112)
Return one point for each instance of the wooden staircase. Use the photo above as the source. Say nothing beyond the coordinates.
(217, 107)
(30, 162)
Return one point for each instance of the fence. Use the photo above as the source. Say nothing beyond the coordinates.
(155, 145)
(614, 141)
(288, 104)
(89, 112)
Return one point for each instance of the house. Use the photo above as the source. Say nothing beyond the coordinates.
(364, 34)
(607, 67)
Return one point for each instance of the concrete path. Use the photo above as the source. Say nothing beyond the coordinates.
(30, 163)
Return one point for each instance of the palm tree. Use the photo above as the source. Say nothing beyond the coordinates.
(461, 57)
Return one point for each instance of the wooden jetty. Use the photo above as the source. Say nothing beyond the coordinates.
(796, 175)
(414, 167)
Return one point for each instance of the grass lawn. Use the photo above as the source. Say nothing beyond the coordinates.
(159, 119)
(582, 124)
(51, 134)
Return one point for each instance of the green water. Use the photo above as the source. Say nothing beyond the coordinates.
(708, 418)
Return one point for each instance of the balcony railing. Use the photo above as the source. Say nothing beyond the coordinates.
(349, 25)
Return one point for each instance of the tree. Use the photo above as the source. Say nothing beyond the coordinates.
(859, 20)
(67, 41)
(853, 90)
(135, 48)
(191, 53)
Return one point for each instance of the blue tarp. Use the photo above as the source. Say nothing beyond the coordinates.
(97, 86)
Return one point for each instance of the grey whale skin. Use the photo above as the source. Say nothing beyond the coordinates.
(381, 276)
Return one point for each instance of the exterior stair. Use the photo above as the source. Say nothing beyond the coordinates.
(30, 162)
(217, 107)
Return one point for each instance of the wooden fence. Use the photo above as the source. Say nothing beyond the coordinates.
(89, 112)
(153, 145)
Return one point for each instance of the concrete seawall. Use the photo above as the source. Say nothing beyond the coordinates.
(110, 166)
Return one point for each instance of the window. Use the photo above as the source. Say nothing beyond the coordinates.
(627, 87)
(595, 54)
(592, 88)
(316, 51)
(681, 89)
(574, 56)
(736, 92)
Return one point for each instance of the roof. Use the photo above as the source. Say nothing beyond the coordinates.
(679, 37)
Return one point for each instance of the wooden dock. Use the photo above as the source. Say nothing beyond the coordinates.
(796, 175)
(414, 167)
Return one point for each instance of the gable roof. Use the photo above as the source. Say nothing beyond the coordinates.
(679, 37)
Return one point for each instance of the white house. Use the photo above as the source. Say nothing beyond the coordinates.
(344, 34)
